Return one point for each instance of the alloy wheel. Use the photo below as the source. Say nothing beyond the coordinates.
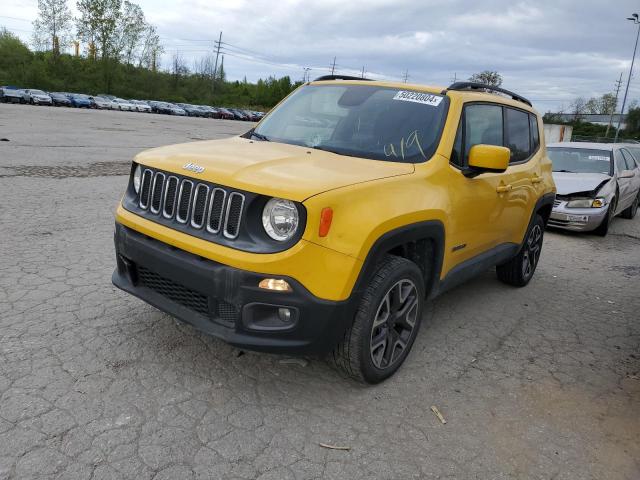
(532, 249)
(393, 324)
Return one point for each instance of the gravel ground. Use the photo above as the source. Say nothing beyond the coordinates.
(535, 383)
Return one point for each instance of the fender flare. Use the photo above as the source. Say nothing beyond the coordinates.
(432, 230)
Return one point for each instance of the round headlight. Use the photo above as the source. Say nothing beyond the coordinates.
(280, 219)
(137, 177)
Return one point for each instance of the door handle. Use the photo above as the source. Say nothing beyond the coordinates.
(504, 188)
(536, 179)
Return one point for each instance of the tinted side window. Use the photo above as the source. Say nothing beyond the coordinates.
(482, 125)
(535, 133)
(517, 134)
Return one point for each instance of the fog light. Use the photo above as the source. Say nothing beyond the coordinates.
(284, 314)
(276, 284)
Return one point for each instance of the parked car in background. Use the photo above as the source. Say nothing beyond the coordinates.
(595, 182)
(213, 111)
(191, 110)
(239, 114)
(36, 97)
(11, 95)
(122, 104)
(167, 108)
(108, 97)
(60, 99)
(225, 114)
(141, 106)
(80, 100)
(101, 103)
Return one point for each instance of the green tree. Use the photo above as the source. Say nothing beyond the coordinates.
(52, 28)
(487, 77)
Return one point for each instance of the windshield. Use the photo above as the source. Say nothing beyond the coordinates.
(37, 92)
(359, 120)
(580, 160)
(81, 96)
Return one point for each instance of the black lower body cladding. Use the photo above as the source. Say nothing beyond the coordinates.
(226, 302)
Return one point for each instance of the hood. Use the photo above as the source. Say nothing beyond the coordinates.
(570, 183)
(270, 168)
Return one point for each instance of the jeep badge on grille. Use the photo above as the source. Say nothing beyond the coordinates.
(193, 167)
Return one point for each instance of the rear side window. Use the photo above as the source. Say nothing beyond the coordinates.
(535, 133)
(482, 125)
(518, 138)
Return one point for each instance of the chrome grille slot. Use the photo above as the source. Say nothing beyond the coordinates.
(233, 214)
(184, 201)
(216, 210)
(200, 208)
(199, 205)
(170, 195)
(145, 189)
(156, 192)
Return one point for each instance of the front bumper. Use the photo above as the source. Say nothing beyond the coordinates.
(40, 101)
(576, 219)
(226, 302)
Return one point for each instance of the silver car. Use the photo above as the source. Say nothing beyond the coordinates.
(595, 182)
(36, 97)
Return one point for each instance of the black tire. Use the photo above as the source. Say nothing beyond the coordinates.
(603, 228)
(520, 269)
(359, 354)
(632, 209)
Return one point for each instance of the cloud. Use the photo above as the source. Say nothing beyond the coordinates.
(550, 51)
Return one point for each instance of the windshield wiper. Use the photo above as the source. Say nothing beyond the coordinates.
(259, 136)
(326, 149)
(565, 171)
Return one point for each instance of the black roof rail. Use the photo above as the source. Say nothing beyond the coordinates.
(482, 86)
(339, 77)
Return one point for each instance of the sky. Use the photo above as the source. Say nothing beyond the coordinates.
(550, 51)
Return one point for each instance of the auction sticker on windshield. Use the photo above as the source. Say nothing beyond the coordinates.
(417, 97)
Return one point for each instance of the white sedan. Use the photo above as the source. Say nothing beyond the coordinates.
(122, 104)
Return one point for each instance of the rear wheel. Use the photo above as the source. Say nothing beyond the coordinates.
(386, 322)
(520, 269)
(632, 209)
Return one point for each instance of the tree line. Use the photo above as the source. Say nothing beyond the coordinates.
(115, 50)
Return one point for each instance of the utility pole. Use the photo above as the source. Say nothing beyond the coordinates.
(362, 76)
(215, 67)
(618, 85)
(305, 76)
(455, 77)
(333, 66)
(405, 76)
(634, 19)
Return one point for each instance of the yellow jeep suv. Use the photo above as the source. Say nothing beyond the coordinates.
(326, 228)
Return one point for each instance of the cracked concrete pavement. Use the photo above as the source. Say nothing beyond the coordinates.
(535, 383)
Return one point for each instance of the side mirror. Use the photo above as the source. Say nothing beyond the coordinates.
(626, 174)
(488, 158)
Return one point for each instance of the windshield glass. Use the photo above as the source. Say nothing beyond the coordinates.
(37, 92)
(580, 160)
(360, 120)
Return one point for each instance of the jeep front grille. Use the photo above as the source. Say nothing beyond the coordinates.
(194, 204)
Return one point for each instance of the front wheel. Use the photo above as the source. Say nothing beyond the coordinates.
(632, 209)
(520, 269)
(386, 322)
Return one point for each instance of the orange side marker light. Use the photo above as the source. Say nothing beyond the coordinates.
(326, 216)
